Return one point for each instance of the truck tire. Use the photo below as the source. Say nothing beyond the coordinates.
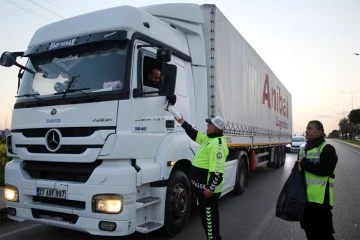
(283, 155)
(178, 203)
(242, 177)
(277, 157)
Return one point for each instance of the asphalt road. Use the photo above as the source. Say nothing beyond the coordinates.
(250, 216)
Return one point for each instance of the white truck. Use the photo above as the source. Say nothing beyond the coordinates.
(93, 151)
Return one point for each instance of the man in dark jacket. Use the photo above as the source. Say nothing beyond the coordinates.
(318, 159)
(207, 171)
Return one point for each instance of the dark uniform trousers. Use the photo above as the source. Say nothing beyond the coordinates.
(209, 214)
(317, 223)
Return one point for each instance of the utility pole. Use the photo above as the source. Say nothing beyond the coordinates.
(352, 97)
(343, 111)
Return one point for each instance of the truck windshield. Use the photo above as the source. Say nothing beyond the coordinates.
(96, 68)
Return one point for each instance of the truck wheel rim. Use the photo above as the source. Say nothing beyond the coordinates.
(179, 202)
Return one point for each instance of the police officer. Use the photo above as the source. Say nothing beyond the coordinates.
(318, 159)
(207, 171)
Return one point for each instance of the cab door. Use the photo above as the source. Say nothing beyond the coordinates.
(150, 121)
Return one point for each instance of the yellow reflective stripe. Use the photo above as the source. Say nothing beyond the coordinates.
(319, 182)
(313, 155)
(316, 182)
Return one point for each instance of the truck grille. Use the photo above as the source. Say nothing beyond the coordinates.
(73, 172)
(64, 149)
(54, 216)
(65, 132)
(60, 202)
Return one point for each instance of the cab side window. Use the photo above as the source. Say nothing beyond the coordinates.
(150, 75)
(153, 80)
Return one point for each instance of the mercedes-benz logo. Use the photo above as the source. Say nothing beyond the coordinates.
(52, 140)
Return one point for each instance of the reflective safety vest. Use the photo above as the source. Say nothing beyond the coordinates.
(211, 156)
(315, 184)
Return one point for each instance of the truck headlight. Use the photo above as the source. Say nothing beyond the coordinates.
(11, 193)
(108, 203)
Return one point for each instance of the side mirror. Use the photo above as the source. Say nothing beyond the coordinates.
(171, 99)
(136, 93)
(168, 80)
(163, 55)
(8, 59)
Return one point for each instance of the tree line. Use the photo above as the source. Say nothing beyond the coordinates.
(349, 127)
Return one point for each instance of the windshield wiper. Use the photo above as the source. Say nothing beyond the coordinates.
(35, 96)
(70, 90)
(70, 85)
(77, 90)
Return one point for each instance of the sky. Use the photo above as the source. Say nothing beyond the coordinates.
(308, 44)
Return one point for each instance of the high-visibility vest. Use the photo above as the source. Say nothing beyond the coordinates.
(315, 184)
(211, 156)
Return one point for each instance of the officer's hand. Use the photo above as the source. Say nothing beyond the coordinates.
(181, 120)
(207, 193)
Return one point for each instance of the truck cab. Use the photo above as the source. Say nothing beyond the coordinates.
(87, 132)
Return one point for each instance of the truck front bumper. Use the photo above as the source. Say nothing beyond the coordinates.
(76, 210)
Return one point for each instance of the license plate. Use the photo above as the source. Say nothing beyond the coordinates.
(49, 192)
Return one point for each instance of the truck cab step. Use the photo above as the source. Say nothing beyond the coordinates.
(146, 201)
(148, 227)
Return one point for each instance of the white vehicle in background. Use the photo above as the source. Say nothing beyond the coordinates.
(93, 151)
(297, 142)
